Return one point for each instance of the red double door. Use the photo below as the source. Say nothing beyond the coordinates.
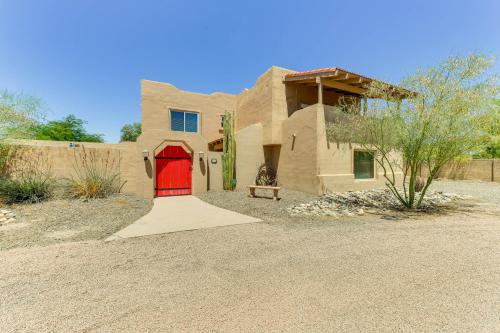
(173, 172)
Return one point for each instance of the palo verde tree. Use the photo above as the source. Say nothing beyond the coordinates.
(18, 114)
(438, 115)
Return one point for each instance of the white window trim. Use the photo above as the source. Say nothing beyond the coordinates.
(198, 122)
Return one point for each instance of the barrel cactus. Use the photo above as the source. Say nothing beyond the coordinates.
(228, 153)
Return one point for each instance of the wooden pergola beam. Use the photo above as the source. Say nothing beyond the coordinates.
(343, 86)
(311, 76)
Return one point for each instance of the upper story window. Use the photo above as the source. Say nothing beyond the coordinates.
(184, 121)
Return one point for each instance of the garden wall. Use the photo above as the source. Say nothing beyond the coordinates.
(61, 157)
(484, 170)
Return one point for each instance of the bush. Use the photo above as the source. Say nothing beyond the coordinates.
(94, 176)
(6, 153)
(25, 190)
(26, 177)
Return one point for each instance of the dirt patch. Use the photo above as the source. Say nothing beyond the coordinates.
(262, 206)
(63, 220)
(434, 274)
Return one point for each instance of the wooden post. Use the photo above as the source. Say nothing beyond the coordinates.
(320, 90)
(493, 169)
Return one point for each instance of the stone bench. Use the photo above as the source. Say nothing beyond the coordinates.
(275, 190)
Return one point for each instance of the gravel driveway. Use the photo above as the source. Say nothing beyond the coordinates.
(439, 273)
(63, 220)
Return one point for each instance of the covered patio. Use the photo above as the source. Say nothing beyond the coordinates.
(326, 86)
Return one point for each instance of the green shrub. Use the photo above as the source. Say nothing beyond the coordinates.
(26, 190)
(26, 176)
(95, 176)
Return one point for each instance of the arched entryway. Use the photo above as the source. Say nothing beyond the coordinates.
(173, 172)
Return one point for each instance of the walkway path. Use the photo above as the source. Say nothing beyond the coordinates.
(179, 213)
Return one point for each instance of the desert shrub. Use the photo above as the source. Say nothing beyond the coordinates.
(94, 176)
(26, 176)
(266, 176)
(6, 153)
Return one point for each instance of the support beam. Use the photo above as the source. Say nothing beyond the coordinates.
(343, 86)
(320, 90)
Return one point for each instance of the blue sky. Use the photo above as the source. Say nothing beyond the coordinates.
(87, 57)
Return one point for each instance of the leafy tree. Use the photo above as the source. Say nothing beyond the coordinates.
(18, 114)
(130, 132)
(491, 147)
(440, 117)
(69, 128)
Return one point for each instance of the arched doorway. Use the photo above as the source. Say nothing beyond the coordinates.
(173, 172)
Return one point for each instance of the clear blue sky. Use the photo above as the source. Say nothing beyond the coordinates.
(87, 57)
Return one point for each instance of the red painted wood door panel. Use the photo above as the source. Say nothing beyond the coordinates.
(173, 172)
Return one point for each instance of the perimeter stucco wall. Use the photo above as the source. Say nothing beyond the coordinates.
(481, 169)
(61, 158)
(249, 154)
(158, 98)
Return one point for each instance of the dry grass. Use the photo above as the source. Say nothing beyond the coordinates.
(26, 176)
(94, 176)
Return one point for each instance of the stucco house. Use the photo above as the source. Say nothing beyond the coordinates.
(280, 121)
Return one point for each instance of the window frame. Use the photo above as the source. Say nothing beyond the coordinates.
(373, 152)
(184, 112)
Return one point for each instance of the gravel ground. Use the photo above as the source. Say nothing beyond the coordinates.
(275, 211)
(263, 207)
(483, 191)
(63, 220)
(440, 273)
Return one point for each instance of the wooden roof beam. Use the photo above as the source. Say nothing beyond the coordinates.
(343, 86)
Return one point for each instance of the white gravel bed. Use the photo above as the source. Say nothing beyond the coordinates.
(353, 203)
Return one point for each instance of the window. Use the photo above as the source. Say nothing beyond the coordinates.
(184, 121)
(221, 116)
(363, 165)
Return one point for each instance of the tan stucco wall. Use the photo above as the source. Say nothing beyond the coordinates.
(314, 165)
(298, 166)
(336, 163)
(154, 141)
(264, 103)
(61, 157)
(158, 98)
(214, 170)
(249, 154)
(482, 169)
(254, 105)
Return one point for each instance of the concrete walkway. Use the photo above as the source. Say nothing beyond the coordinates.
(171, 214)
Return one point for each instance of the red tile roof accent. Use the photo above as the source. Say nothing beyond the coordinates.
(314, 71)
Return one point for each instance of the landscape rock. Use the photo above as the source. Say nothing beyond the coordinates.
(353, 203)
(7, 216)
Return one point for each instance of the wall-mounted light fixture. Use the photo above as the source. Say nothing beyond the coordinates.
(145, 154)
(201, 154)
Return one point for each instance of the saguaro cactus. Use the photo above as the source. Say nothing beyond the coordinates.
(228, 153)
